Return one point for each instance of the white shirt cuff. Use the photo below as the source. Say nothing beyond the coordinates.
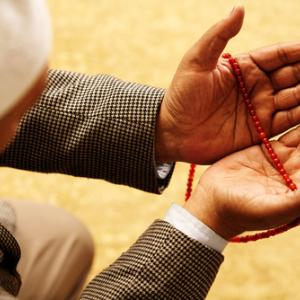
(188, 224)
(163, 170)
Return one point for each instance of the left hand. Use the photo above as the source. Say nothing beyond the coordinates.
(203, 116)
(244, 192)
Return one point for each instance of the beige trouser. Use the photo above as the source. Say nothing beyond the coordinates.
(57, 252)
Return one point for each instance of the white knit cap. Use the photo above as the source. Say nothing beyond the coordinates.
(25, 42)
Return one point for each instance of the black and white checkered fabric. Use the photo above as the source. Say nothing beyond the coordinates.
(9, 277)
(163, 264)
(101, 127)
(90, 126)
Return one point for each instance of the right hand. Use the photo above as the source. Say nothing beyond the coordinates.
(203, 106)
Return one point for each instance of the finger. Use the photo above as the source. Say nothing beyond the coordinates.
(286, 77)
(284, 120)
(291, 138)
(276, 56)
(288, 150)
(283, 208)
(208, 49)
(288, 98)
(290, 205)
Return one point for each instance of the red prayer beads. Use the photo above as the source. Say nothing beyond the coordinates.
(189, 186)
(264, 139)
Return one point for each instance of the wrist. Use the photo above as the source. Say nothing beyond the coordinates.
(165, 142)
(202, 206)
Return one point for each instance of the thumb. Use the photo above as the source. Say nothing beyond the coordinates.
(209, 48)
(283, 209)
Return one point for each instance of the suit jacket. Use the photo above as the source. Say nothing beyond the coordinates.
(101, 127)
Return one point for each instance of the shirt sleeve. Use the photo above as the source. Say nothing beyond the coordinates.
(182, 220)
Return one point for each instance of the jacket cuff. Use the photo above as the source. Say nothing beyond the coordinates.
(164, 264)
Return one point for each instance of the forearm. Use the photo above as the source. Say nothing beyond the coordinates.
(163, 264)
(91, 126)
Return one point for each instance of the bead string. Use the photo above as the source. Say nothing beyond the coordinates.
(189, 185)
(264, 139)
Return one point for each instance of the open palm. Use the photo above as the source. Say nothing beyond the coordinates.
(245, 192)
(205, 106)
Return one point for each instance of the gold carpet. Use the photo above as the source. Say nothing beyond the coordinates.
(143, 41)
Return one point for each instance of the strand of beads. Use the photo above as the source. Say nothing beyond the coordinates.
(189, 185)
(260, 131)
(264, 139)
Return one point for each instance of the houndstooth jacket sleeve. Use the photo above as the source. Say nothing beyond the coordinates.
(164, 264)
(91, 126)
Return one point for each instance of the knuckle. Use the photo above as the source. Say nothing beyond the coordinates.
(282, 54)
(296, 94)
(296, 72)
(290, 117)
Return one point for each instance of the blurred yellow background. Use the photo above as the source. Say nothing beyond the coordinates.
(143, 41)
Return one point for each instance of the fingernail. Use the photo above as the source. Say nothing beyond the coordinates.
(233, 9)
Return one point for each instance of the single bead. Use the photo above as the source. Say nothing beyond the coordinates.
(265, 140)
(288, 181)
(252, 112)
(259, 129)
(268, 144)
(262, 135)
(279, 167)
(285, 176)
(255, 118)
(282, 171)
(237, 71)
(247, 101)
(244, 90)
(293, 186)
(226, 55)
(250, 106)
(270, 151)
(246, 95)
(236, 65)
(240, 78)
(257, 123)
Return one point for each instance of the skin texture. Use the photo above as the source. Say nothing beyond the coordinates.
(203, 108)
(9, 122)
(244, 192)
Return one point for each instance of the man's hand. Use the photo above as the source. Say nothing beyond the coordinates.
(203, 117)
(244, 191)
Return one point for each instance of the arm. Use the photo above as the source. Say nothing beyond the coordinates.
(167, 264)
(163, 264)
(101, 127)
(91, 126)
